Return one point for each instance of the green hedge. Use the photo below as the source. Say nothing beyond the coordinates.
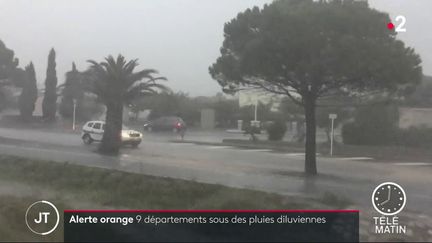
(415, 137)
(276, 131)
(356, 134)
(373, 125)
(362, 134)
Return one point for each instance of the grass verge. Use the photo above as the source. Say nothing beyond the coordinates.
(24, 181)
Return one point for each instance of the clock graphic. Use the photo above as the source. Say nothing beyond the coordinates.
(388, 198)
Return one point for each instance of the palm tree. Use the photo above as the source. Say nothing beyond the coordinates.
(116, 84)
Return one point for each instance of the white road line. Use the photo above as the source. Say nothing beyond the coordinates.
(299, 154)
(181, 144)
(295, 154)
(218, 147)
(412, 163)
(356, 158)
(257, 150)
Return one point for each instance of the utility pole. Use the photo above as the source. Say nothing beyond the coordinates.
(332, 118)
(74, 113)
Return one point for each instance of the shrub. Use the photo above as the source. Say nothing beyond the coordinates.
(350, 133)
(355, 134)
(415, 137)
(248, 129)
(373, 125)
(369, 134)
(276, 131)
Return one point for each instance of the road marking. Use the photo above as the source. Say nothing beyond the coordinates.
(258, 150)
(295, 154)
(219, 147)
(356, 158)
(181, 144)
(412, 163)
(299, 154)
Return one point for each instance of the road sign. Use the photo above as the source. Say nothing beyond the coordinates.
(332, 117)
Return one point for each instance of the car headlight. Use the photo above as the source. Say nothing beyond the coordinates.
(125, 134)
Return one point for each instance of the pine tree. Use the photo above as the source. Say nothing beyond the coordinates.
(8, 67)
(49, 104)
(308, 50)
(72, 90)
(29, 93)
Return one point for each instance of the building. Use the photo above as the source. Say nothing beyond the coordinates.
(251, 97)
(415, 117)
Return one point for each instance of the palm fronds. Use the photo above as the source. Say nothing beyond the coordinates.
(115, 78)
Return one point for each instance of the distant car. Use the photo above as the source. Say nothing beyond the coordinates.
(166, 123)
(93, 131)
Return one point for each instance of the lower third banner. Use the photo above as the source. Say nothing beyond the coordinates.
(211, 225)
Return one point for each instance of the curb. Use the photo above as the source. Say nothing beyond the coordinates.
(241, 145)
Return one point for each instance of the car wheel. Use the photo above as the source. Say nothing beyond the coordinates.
(135, 145)
(87, 139)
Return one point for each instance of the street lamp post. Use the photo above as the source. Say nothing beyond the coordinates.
(255, 122)
(74, 112)
(332, 118)
(256, 110)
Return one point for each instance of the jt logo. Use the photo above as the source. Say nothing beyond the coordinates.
(40, 224)
(45, 216)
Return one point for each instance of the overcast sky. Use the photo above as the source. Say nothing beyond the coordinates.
(180, 38)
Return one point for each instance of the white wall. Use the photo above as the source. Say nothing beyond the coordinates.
(412, 117)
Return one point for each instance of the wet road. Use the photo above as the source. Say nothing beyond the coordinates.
(254, 169)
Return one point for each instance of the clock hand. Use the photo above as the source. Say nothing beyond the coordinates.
(386, 201)
(388, 198)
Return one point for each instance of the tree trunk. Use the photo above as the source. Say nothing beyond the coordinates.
(111, 140)
(310, 146)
